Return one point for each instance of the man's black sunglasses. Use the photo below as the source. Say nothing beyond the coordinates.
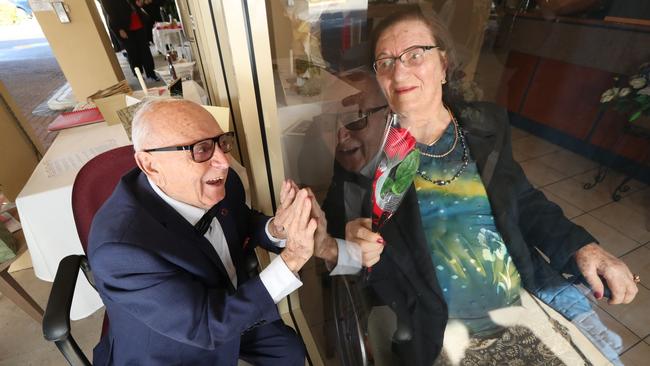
(359, 120)
(204, 149)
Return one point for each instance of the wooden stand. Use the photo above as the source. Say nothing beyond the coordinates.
(12, 289)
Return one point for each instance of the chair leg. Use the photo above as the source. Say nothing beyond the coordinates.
(72, 353)
(10, 288)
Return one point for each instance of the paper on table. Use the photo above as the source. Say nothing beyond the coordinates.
(74, 161)
(126, 116)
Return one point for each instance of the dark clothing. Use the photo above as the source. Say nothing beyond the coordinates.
(405, 278)
(137, 44)
(138, 52)
(168, 296)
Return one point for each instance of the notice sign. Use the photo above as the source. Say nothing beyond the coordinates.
(40, 5)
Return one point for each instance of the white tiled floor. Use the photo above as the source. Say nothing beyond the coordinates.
(622, 227)
(21, 338)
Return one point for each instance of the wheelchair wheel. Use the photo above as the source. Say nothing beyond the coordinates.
(350, 335)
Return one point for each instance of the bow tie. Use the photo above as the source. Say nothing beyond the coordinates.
(204, 223)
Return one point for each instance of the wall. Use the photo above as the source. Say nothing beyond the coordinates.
(602, 45)
(18, 156)
(82, 48)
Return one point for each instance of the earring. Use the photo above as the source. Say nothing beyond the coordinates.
(444, 81)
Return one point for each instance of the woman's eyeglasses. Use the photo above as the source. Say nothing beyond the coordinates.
(203, 150)
(356, 121)
(412, 56)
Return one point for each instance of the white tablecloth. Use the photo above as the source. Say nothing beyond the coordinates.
(45, 207)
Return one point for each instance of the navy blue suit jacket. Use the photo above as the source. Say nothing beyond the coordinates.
(167, 294)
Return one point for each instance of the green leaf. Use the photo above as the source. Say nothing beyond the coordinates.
(409, 165)
(388, 185)
(406, 172)
(641, 99)
(402, 184)
(635, 116)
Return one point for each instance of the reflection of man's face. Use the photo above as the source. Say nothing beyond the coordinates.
(358, 144)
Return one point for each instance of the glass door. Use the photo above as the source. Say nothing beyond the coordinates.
(307, 106)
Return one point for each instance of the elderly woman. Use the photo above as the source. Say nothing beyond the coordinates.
(466, 245)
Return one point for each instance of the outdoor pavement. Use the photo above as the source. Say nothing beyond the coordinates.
(32, 75)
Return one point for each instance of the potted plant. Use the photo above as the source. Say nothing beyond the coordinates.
(630, 96)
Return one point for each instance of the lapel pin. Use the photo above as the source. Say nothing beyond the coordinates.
(224, 212)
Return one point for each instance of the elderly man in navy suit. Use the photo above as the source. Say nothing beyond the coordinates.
(168, 250)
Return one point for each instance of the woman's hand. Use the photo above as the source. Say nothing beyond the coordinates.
(594, 261)
(325, 246)
(372, 244)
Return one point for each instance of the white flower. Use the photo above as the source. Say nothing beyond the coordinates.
(644, 91)
(500, 252)
(487, 255)
(481, 238)
(624, 92)
(638, 82)
(609, 95)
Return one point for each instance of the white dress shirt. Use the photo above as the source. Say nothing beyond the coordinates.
(349, 259)
(277, 278)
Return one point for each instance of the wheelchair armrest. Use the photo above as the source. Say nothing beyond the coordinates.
(56, 320)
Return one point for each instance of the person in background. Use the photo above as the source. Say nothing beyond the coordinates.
(131, 25)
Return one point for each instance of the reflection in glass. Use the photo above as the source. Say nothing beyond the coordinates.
(463, 258)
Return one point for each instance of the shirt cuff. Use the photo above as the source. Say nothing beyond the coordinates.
(349, 258)
(280, 243)
(278, 279)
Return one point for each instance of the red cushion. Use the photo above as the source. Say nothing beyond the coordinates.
(94, 184)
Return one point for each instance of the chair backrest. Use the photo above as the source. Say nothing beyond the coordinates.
(94, 184)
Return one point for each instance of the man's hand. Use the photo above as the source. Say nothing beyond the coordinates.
(123, 34)
(325, 246)
(300, 232)
(592, 260)
(278, 226)
(372, 244)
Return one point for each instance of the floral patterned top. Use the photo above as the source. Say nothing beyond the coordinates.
(474, 270)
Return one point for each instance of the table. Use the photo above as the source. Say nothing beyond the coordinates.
(171, 36)
(45, 206)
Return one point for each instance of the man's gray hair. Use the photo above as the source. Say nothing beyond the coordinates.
(141, 126)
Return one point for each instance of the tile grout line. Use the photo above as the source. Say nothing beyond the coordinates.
(621, 323)
(632, 346)
(632, 250)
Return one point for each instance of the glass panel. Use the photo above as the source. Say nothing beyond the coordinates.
(516, 125)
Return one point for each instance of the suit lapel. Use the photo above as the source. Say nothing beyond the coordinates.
(174, 222)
